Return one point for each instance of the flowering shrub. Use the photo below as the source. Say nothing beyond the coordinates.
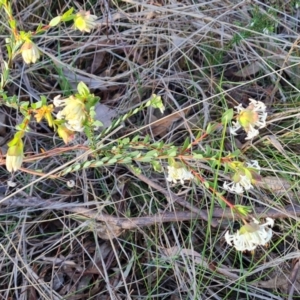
(74, 114)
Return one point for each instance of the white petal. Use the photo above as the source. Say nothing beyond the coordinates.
(234, 187)
(253, 164)
(245, 182)
(180, 174)
(229, 238)
(251, 133)
(258, 105)
(58, 102)
(239, 108)
(257, 235)
(269, 222)
(236, 126)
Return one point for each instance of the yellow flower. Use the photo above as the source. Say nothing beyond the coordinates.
(30, 52)
(14, 156)
(66, 134)
(84, 21)
(74, 112)
(45, 112)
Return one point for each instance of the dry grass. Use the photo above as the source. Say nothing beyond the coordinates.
(202, 57)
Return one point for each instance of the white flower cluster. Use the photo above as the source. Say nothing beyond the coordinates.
(73, 112)
(238, 187)
(181, 174)
(255, 115)
(251, 235)
(241, 182)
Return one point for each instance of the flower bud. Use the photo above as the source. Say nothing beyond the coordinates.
(30, 52)
(14, 156)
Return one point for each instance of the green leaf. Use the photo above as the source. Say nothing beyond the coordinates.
(248, 173)
(171, 161)
(67, 170)
(13, 24)
(222, 203)
(206, 184)
(236, 153)
(87, 164)
(43, 100)
(227, 116)
(226, 167)
(112, 161)
(125, 117)
(197, 156)
(135, 154)
(145, 159)
(98, 164)
(76, 167)
(146, 139)
(207, 150)
(156, 166)
(172, 152)
(152, 153)
(135, 169)
(186, 144)
(211, 128)
(136, 139)
(160, 145)
(125, 141)
(24, 105)
(37, 105)
(55, 21)
(83, 89)
(67, 16)
(127, 160)
(97, 123)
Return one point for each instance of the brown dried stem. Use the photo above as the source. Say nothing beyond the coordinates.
(137, 222)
